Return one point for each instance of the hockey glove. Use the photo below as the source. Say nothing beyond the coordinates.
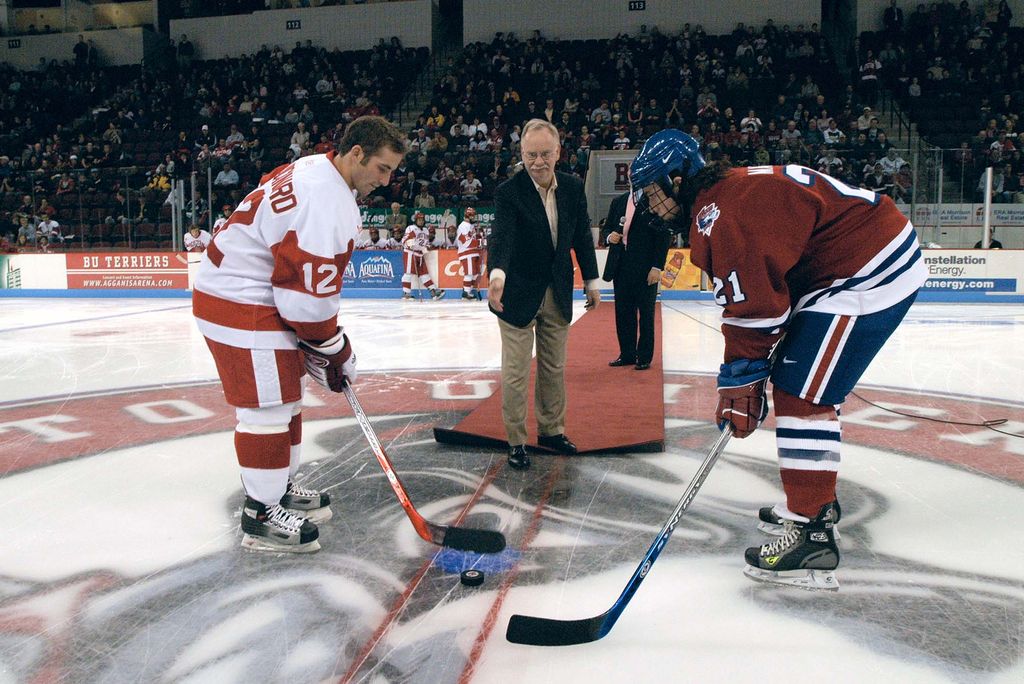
(741, 399)
(330, 363)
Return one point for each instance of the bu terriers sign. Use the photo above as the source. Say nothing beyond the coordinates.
(129, 270)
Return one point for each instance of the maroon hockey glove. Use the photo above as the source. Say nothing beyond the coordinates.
(741, 399)
(330, 363)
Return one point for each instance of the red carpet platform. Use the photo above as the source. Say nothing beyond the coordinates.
(610, 409)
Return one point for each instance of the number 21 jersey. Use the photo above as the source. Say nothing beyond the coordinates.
(777, 240)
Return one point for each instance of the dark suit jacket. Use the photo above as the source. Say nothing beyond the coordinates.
(613, 224)
(648, 245)
(520, 245)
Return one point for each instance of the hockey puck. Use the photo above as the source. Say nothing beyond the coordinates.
(472, 578)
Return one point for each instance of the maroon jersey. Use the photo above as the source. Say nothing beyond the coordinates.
(780, 239)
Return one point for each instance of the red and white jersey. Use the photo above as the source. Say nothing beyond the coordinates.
(781, 239)
(468, 239)
(219, 224)
(440, 240)
(382, 242)
(416, 239)
(274, 271)
(197, 243)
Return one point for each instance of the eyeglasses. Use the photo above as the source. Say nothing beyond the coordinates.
(546, 155)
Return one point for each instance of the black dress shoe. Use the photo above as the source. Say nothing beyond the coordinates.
(620, 362)
(559, 443)
(518, 458)
(643, 365)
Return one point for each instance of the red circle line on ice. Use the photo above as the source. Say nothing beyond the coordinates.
(51, 430)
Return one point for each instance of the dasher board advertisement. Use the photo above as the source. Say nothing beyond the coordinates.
(374, 268)
(127, 270)
(974, 271)
(679, 272)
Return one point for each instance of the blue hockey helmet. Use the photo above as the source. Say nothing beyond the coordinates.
(666, 154)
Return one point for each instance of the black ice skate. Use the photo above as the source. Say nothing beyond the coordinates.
(309, 503)
(771, 521)
(436, 294)
(805, 556)
(467, 295)
(274, 528)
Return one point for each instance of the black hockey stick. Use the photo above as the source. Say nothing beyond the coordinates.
(538, 631)
(462, 538)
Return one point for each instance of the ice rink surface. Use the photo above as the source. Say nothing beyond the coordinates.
(119, 491)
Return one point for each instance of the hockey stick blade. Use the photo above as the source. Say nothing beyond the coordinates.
(537, 631)
(470, 539)
(460, 538)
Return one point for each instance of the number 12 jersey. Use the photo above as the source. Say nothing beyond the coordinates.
(274, 271)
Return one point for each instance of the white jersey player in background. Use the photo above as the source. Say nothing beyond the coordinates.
(439, 239)
(196, 239)
(267, 298)
(225, 215)
(416, 244)
(470, 248)
(377, 241)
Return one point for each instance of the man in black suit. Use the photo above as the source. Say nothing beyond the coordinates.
(540, 215)
(636, 254)
(892, 19)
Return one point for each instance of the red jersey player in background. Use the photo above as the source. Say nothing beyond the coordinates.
(267, 298)
(824, 271)
(467, 239)
(416, 244)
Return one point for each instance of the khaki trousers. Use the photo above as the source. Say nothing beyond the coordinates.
(551, 331)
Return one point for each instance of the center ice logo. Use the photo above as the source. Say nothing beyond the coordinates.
(706, 218)
(59, 433)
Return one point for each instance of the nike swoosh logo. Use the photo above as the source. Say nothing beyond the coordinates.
(785, 360)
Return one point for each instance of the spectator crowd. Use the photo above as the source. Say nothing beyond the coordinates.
(92, 152)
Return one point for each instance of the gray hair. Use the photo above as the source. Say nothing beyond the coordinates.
(534, 124)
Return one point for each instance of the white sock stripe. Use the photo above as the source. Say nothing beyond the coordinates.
(265, 485)
(266, 415)
(782, 510)
(251, 429)
(800, 464)
(792, 423)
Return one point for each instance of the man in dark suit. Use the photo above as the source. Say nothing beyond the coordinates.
(539, 217)
(892, 19)
(636, 254)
